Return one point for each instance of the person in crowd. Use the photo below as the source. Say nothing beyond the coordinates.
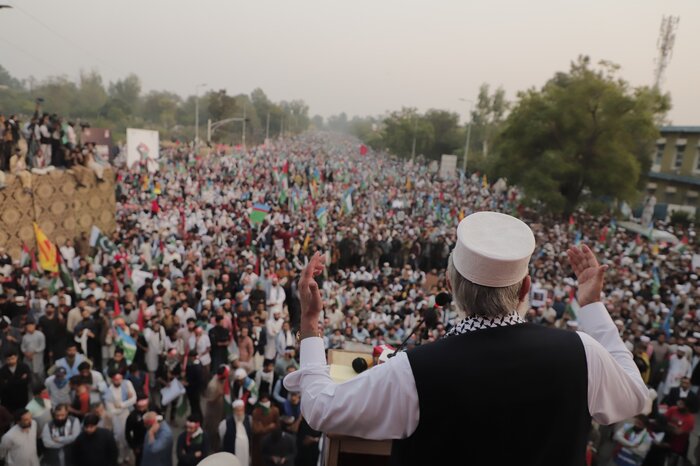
(681, 423)
(71, 361)
(634, 442)
(18, 446)
(236, 433)
(58, 436)
(158, 444)
(33, 346)
(265, 420)
(683, 392)
(120, 398)
(307, 445)
(15, 378)
(58, 387)
(195, 383)
(135, 428)
(94, 445)
(278, 447)
(40, 406)
(192, 444)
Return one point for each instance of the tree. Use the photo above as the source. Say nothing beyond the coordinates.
(487, 117)
(127, 92)
(585, 133)
(447, 135)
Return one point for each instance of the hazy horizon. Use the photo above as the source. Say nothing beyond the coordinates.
(361, 58)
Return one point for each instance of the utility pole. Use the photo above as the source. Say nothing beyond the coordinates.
(196, 113)
(243, 138)
(469, 133)
(267, 127)
(413, 148)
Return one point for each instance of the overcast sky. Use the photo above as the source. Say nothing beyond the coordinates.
(358, 56)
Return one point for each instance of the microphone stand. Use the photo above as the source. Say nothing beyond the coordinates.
(403, 343)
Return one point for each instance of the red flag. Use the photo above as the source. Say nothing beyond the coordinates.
(285, 167)
(363, 149)
(140, 320)
(684, 240)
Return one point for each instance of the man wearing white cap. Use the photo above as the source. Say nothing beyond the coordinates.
(236, 433)
(528, 392)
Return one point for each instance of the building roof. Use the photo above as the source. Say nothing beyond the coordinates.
(692, 180)
(679, 129)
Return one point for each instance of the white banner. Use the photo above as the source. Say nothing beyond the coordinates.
(448, 166)
(142, 146)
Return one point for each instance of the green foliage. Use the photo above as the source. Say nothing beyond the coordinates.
(122, 104)
(487, 117)
(586, 133)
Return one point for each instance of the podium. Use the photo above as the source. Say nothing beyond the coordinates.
(343, 450)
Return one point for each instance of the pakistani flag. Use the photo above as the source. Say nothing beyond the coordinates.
(259, 213)
(99, 240)
(25, 258)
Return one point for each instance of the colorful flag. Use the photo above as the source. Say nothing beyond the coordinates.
(484, 182)
(127, 344)
(25, 258)
(321, 216)
(347, 201)
(363, 149)
(259, 212)
(68, 281)
(48, 252)
(99, 240)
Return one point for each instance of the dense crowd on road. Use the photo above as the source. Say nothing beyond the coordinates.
(171, 337)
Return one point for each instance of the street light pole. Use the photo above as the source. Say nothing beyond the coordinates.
(196, 112)
(413, 148)
(469, 133)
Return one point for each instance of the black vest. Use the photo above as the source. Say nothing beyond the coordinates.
(515, 395)
(228, 443)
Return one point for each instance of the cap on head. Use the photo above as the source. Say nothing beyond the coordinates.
(493, 249)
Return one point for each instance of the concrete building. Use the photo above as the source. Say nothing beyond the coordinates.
(674, 178)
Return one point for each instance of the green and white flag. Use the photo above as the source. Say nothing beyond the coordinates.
(99, 240)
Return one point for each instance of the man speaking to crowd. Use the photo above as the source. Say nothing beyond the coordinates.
(495, 390)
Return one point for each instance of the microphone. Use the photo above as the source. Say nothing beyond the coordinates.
(429, 317)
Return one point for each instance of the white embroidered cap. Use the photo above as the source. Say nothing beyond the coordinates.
(493, 249)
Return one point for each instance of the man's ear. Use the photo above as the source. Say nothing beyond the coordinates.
(524, 288)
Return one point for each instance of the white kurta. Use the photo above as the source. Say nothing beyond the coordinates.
(677, 369)
(156, 346)
(242, 446)
(119, 408)
(35, 343)
(616, 390)
(275, 300)
(273, 327)
(18, 447)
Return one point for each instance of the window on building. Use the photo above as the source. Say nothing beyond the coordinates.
(658, 157)
(697, 159)
(680, 150)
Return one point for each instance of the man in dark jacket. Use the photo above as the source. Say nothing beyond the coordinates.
(193, 443)
(94, 445)
(684, 393)
(228, 432)
(135, 430)
(14, 382)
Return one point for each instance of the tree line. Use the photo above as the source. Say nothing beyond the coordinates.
(124, 104)
(585, 137)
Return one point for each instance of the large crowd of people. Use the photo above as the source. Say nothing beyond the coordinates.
(171, 338)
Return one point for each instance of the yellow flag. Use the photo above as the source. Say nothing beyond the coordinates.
(306, 243)
(408, 183)
(48, 254)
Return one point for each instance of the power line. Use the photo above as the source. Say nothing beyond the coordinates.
(31, 55)
(66, 39)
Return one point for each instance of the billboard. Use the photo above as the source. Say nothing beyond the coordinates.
(101, 137)
(448, 166)
(142, 146)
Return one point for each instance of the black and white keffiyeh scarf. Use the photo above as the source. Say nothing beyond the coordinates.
(479, 323)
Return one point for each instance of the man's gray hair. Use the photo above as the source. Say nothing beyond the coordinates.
(479, 300)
